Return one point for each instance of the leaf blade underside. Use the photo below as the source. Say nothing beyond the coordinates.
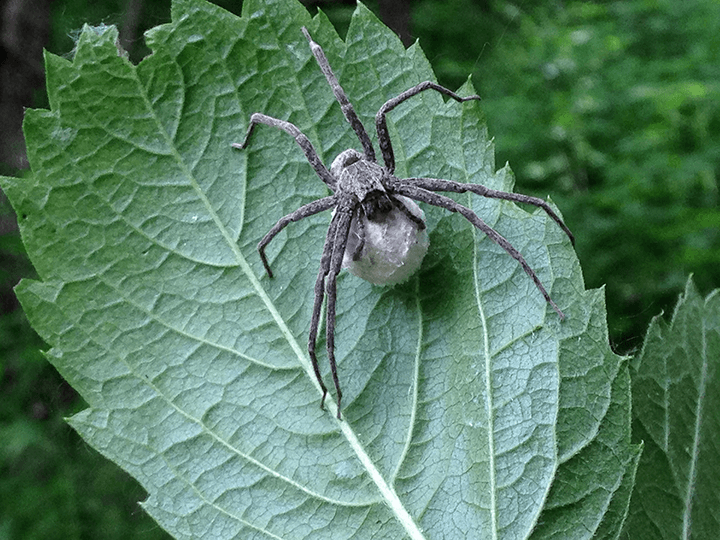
(466, 397)
(676, 391)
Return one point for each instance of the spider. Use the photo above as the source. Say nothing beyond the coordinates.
(364, 194)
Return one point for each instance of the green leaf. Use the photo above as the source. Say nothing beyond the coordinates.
(471, 410)
(676, 406)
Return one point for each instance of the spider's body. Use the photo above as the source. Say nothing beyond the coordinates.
(376, 230)
(387, 241)
(363, 179)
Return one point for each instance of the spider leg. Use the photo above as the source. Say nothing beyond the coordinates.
(412, 217)
(341, 236)
(300, 138)
(347, 108)
(381, 122)
(358, 216)
(420, 194)
(304, 211)
(317, 306)
(435, 184)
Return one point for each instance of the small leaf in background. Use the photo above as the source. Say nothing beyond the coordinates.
(471, 410)
(676, 410)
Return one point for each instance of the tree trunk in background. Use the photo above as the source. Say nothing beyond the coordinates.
(396, 15)
(130, 24)
(24, 31)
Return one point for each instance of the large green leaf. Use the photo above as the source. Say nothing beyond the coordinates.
(471, 410)
(676, 408)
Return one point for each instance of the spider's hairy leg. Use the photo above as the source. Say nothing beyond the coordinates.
(304, 211)
(300, 138)
(359, 229)
(345, 105)
(317, 306)
(341, 236)
(381, 121)
(423, 195)
(436, 184)
(412, 217)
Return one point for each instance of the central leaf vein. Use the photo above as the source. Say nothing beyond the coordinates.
(387, 492)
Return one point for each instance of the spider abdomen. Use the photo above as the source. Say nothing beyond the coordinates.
(391, 246)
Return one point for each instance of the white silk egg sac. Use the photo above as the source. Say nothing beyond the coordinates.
(394, 246)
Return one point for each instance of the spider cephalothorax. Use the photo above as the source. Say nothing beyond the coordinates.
(365, 195)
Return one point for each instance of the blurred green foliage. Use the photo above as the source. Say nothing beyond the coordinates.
(612, 108)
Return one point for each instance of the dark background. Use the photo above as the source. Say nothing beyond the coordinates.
(612, 108)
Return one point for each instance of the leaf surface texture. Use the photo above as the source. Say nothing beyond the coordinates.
(471, 410)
